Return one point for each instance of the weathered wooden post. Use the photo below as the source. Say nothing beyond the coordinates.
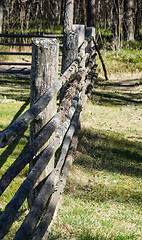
(44, 72)
(90, 32)
(80, 31)
(70, 40)
(70, 49)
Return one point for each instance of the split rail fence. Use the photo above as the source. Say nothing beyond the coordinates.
(52, 128)
(14, 43)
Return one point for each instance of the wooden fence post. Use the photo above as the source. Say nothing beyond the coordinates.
(90, 32)
(70, 49)
(44, 73)
(81, 32)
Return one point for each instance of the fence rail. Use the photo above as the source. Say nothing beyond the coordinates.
(59, 36)
(64, 125)
(31, 35)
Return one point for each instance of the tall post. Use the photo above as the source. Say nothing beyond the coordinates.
(70, 40)
(44, 73)
(80, 31)
(70, 49)
(90, 32)
(68, 17)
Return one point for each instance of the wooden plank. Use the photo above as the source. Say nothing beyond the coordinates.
(15, 64)
(31, 220)
(16, 44)
(21, 44)
(31, 35)
(11, 209)
(16, 53)
(43, 228)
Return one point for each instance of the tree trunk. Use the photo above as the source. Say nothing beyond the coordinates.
(1, 15)
(91, 13)
(121, 12)
(115, 29)
(70, 40)
(138, 18)
(129, 20)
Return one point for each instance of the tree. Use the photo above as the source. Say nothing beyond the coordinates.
(118, 10)
(1, 15)
(115, 25)
(91, 13)
(129, 13)
(138, 18)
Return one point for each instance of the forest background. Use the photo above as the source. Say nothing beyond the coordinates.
(116, 21)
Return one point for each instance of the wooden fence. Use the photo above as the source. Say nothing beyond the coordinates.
(21, 37)
(59, 132)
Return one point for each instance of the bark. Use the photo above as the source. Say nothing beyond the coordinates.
(44, 73)
(101, 59)
(70, 49)
(138, 18)
(1, 15)
(68, 18)
(50, 213)
(129, 20)
(91, 13)
(115, 25)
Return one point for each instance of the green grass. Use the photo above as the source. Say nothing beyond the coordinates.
(122, 64)
(103, 195)
(14, 100)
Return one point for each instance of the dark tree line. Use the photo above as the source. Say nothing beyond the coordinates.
(122, 17)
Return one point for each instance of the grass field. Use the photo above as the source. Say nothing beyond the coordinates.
(103, 195)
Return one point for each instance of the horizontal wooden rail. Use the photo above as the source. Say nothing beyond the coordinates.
(16, 53)
(21, 44)
(31, 35)
(16, 44)
(9, 214)
(15, 64)
(44, 225)
(25, 158)
(26, 229)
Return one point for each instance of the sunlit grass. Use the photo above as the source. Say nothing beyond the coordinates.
(124, 64)
(103, 194)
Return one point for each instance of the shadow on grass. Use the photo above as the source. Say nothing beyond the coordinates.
(14, 87)
(13, 80)
(21, 110)
(117, 93)
(106, 150)
(100, 151)
(9, 150)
